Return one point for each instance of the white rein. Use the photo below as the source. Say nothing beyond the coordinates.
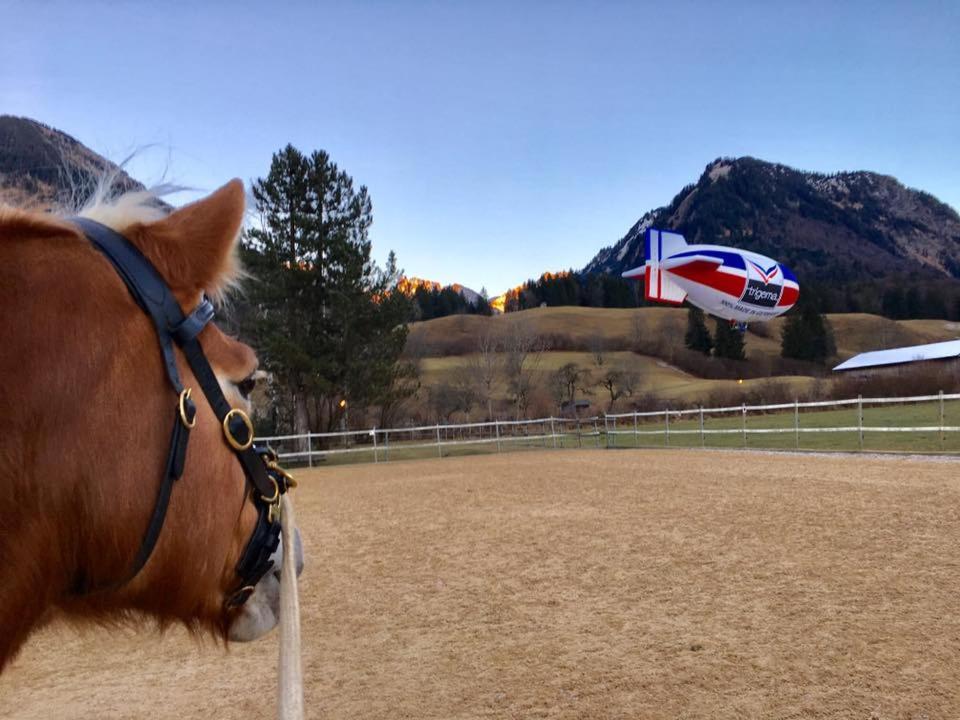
(290, 695)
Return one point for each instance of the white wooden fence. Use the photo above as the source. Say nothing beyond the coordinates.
(796, 428)
(687, 427)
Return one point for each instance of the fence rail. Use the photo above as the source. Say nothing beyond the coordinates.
(925, 416)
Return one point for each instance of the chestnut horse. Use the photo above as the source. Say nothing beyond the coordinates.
(85, 411)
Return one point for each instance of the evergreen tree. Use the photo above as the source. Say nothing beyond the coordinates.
(893, 303)
(913, 306)
(325, 318)
(807, 334)
(934, 305)
(697, 337)
(481, 306)
(728, 341)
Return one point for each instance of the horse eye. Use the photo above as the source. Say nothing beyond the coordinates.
(246, 386)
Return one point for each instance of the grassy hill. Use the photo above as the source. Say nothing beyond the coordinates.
(446, 348)
(577, 328)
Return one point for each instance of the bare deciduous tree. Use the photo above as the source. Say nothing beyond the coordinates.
(639, 332)
(618, 384)
(447, 399)
(485, 367)
(598, 348)
(523, 349)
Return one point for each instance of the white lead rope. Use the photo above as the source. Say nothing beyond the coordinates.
(290, 698)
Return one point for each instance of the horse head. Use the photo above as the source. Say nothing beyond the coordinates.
(86, 429)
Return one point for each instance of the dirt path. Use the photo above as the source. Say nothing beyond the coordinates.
(631, 584)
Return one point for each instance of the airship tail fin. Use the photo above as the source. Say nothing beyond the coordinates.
(658, 285)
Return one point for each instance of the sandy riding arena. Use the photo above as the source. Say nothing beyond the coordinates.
(576, 584)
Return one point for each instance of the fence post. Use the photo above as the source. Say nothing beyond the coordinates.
(309, 450)
(553, 433)
(796, 421)
(860, 420)
(374, 433)
(439, 447)
(941, 420)
(744, 413)
(702, 442)
(606, 431)
(596, 429)
(636, 432)
(496, 427)
(666, 426)
(386, 446)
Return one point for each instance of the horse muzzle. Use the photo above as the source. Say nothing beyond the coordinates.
(261, 611)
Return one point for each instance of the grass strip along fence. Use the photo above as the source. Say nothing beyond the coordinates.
(924, 423)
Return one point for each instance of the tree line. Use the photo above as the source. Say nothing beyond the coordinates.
(806, 335)
(433, 302)
(572, 288)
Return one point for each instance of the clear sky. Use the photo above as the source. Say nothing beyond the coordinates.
(498, 140)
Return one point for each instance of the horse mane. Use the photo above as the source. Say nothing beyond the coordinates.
(120, 211)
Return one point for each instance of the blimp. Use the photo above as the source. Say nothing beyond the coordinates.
(736, 285)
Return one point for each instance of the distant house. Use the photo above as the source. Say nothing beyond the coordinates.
(895, 358)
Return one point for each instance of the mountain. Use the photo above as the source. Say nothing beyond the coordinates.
(410, 285)
(41, 166)
(832, 230)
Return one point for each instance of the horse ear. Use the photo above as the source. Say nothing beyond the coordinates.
(195, 246)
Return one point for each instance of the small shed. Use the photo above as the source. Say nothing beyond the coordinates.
(877, 360)
(574, 407)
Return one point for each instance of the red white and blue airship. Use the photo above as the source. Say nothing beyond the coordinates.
(736, 285)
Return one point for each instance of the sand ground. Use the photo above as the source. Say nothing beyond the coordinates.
(576, 584)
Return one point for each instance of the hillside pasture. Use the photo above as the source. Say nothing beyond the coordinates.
(583, 584)
(576, 328)
(649, 342)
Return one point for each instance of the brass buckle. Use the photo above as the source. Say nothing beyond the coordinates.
(188, 423)
(275, 498)
(288, 479)
(234, 443)
(273, 502)
(273, 512)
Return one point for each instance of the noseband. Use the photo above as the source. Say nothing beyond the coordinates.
(267, 480)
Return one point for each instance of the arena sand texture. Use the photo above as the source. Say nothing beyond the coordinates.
(577, 584)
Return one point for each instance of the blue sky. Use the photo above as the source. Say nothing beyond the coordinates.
(498, 140)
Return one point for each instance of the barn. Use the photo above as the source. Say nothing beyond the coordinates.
(894, 360)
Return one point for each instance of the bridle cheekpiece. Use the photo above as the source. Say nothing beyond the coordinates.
(267, 479)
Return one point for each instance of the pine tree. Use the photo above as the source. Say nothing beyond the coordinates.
(323, 315)
(697, 337)
(893, 303)
(807, 334)
(728, 341)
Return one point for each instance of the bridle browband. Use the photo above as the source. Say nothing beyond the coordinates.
(263, 473)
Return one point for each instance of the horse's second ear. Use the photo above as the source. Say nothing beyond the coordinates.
(194, 246)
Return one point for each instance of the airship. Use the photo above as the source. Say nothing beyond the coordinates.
(736, 285)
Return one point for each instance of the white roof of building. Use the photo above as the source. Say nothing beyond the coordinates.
(894, 356)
